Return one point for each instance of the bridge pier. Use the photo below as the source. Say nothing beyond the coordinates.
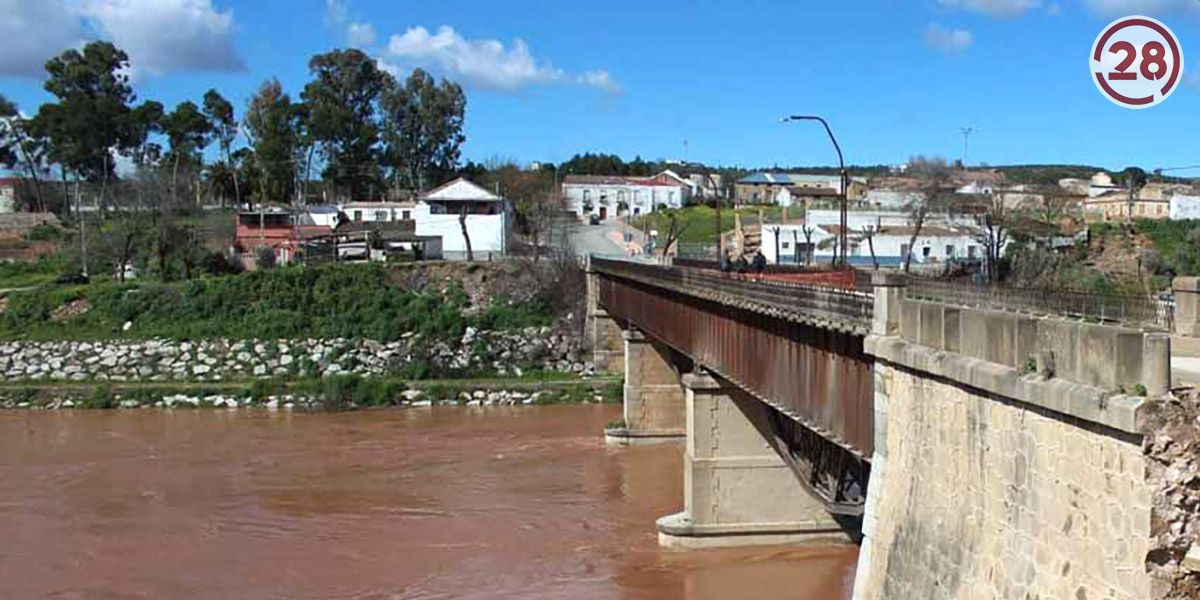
(654, 402)
(737, 490)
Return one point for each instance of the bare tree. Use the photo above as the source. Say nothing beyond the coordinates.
(868, 233)
(808, 247)
(1052, 203)
(673, 232)
(934, 177)
(993, 234)
(462, 223)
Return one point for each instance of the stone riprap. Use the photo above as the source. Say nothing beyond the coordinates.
(502, 352)
(80, 398)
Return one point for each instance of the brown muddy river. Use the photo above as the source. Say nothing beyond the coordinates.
(443, 503)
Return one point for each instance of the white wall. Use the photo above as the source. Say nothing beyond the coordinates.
(488, 232)
(641, 199)
(1185, 207)
(886, 246)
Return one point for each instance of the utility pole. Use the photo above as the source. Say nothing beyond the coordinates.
(966, 133)
(685, 151)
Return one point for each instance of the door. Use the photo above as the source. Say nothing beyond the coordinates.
(603, 213)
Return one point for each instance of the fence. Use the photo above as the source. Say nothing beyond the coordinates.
(837, 307)
(1137, 310)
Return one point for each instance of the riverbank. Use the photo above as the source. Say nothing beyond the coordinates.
(341, 392)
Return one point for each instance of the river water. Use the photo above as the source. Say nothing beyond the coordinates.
(424, 503)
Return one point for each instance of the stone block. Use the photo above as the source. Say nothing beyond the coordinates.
(910, 320)
(989, 336)
(1061, 339)
(1156, 363)
(951, 341)
(932, 324)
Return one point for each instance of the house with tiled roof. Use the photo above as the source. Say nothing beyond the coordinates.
(767, 187)
(607, 197)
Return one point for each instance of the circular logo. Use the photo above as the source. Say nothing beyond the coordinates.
(1136, 62)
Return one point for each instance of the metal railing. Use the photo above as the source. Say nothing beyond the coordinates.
(1134, 310)
(835, 307)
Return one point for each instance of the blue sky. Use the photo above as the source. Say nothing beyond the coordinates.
(548, 79)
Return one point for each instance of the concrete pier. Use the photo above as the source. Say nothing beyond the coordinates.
(654, 400)
(737, 490)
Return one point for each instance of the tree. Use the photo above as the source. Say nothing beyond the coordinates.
(224, 124)
(187, 131)
(462, 223)
(8, 133)
(993, 233)
(341, 102)
(808, 245)
(422, 128)
(868, 233)
(89, 119)
(934, 178)
(272, 131)
(1051, 206)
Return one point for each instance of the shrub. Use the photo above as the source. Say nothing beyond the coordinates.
(101, 398)
(264, 257)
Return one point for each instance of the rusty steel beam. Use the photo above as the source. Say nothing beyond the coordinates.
(818, 376)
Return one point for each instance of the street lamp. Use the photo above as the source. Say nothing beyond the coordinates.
(842, 238)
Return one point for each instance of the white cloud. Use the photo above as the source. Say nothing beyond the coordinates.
(33, 31)
(356, 33)
(949, 40)
(160, 36)
(360, 34)
(483, 63)
(996, 8)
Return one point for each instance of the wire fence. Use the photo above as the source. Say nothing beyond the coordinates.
(1129, 309)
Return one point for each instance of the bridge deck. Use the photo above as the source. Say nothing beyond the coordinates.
(797, 347)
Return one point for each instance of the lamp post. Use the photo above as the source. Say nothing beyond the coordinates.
(842, 237)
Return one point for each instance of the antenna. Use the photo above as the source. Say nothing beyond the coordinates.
(966, 133)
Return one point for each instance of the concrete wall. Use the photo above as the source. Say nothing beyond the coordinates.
(974, 496)
(1187, 306)
(602, 333)
(1107, 357)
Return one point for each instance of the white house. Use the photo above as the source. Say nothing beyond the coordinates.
(608, 197)
(437, 212)
(942, 238)
(1184, 207)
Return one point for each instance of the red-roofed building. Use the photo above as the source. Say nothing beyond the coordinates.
(281, 230)
(607, 197)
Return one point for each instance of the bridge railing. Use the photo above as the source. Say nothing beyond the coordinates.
(840, 307)
(1129, 309)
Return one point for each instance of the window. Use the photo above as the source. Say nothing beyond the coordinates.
(587, 195)
(786, 245)
(949, 250)
(637, 211)
(358, 215)
(406, 215)
(970, 251)
(381, 215)
(925, 251)
(904, 250)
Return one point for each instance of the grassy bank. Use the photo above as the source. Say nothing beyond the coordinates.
(699, 223)
(338, 301)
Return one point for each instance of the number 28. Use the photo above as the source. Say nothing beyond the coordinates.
(1153, 53)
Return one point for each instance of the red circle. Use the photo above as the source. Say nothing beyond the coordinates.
(1140, 22)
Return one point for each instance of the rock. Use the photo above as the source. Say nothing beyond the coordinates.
(201, 369)
(411, 395)
(420, 403)
(127, 326)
